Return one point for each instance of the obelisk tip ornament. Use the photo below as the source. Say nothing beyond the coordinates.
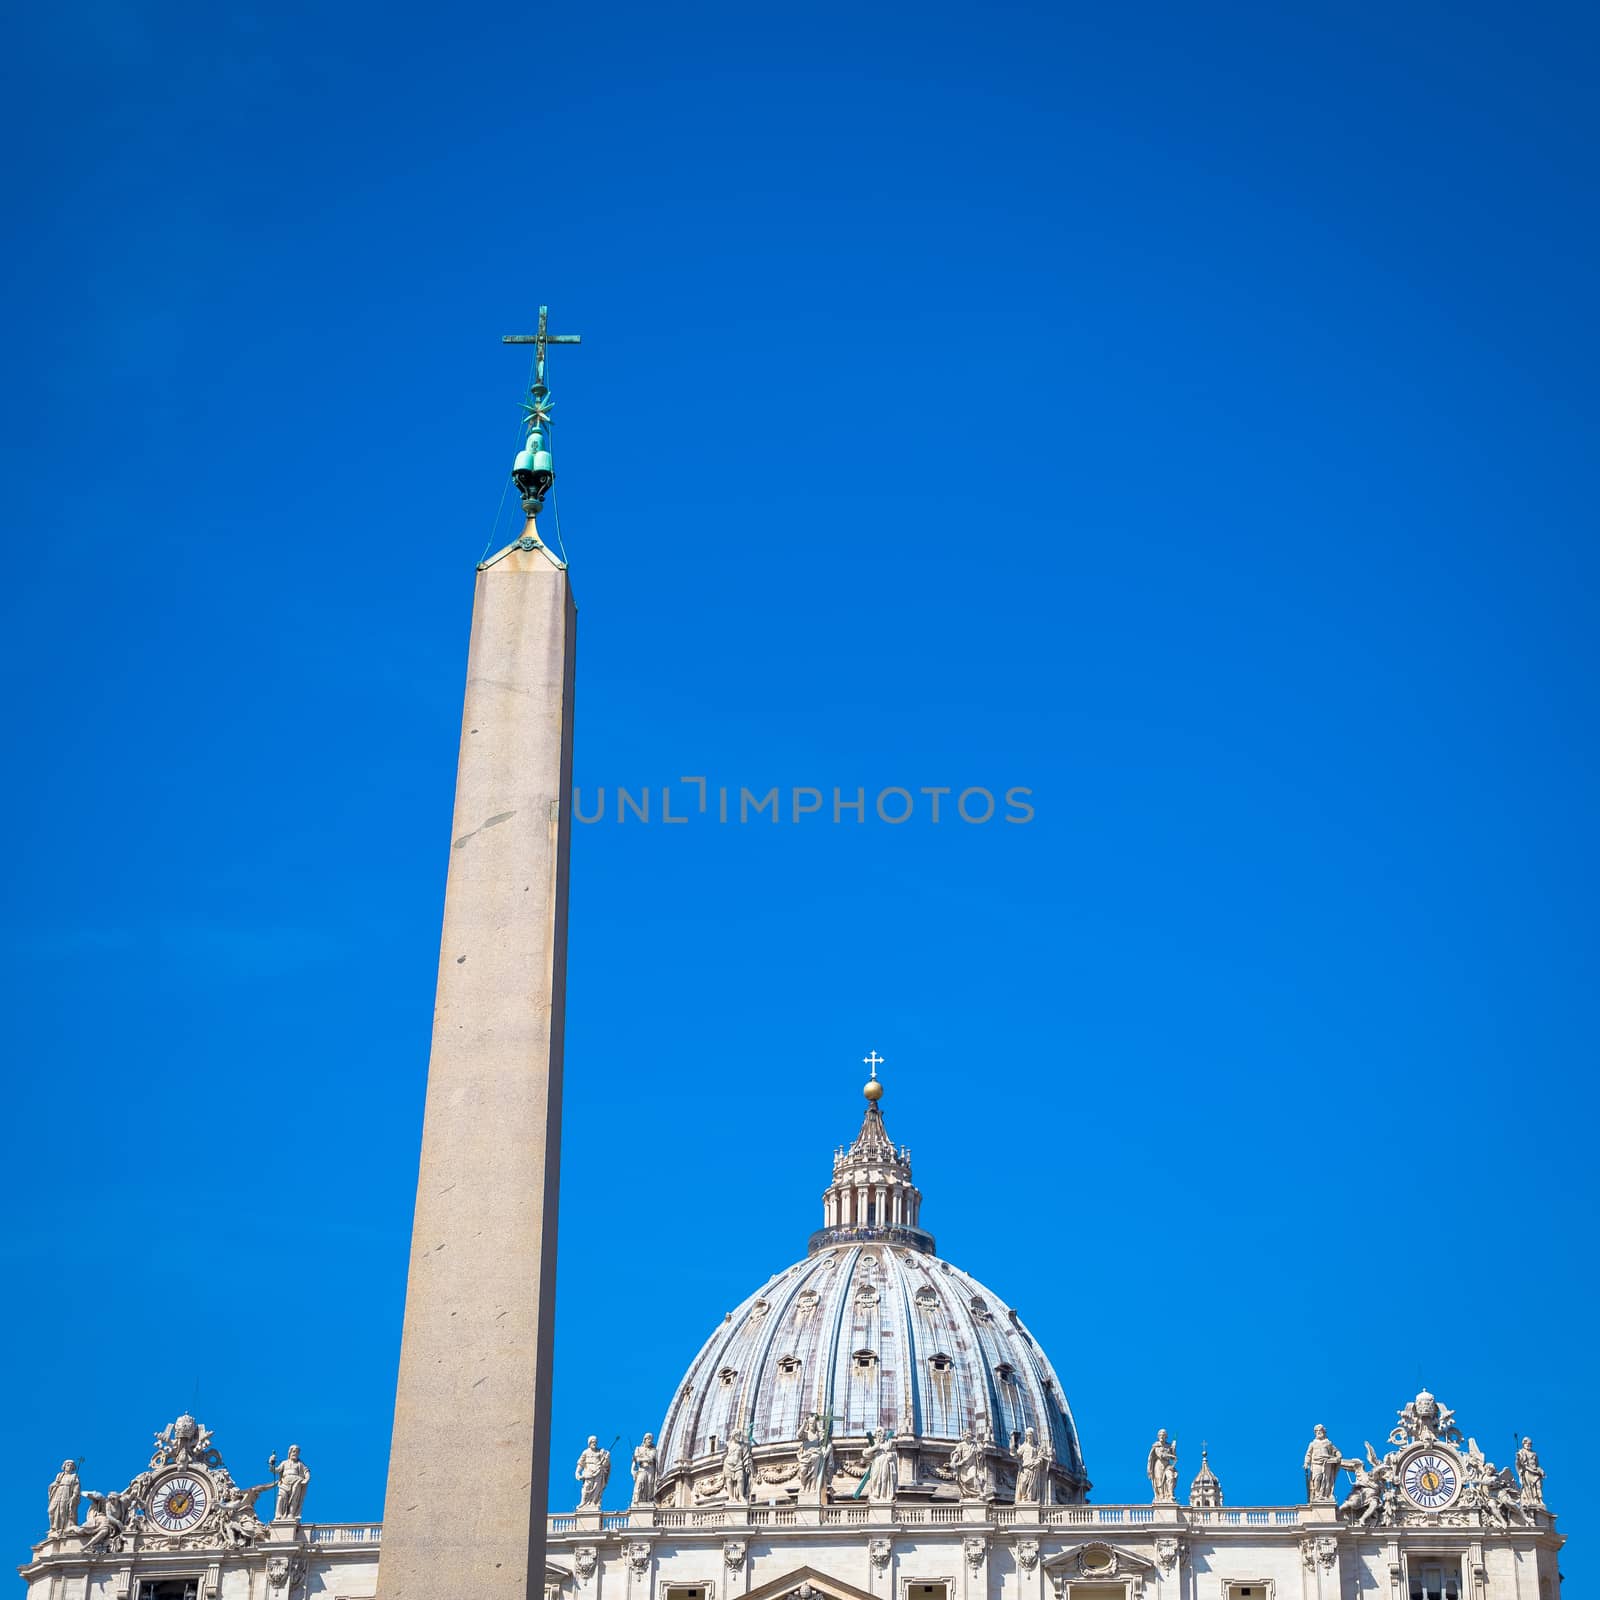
(465, 1510)
(533, 471)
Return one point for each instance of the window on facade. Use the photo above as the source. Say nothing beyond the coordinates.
(168, 1589)
(1098, 1591)
(926, 1591)
(674, 1592)
(1434, 1578)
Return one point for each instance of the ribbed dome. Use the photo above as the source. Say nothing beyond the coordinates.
(871, 1330)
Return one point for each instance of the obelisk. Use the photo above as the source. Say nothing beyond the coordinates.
(464, 1515)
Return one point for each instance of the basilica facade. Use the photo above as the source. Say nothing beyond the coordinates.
(873, 1423)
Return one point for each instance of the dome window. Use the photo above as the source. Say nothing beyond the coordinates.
(866, 1296)
(1005, 1372)
(864, 1361)
(759, 1310)
(727, 1375)
(940, 1362)
(788, 1366)
(926, 1298)
(979, 1307)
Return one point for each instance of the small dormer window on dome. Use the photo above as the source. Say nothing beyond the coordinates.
(727, 1377)
(788, 1366)
(864, 1361)
(1005, 1372)
(940, 1362)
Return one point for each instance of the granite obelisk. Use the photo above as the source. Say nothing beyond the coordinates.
(464, 1515)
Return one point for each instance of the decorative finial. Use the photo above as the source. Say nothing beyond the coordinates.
(533, 471)
(873, 1090)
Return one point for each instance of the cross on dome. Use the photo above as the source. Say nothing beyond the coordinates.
(873, 1089)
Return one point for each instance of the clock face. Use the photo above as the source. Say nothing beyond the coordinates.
(1430, 1480)
(178, 1503)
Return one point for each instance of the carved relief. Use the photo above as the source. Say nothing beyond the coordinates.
(584, 1561)
(1097, 1561)
(974, 1549)
(878, 1553)
(1321, 1552)
(1170, 1554)
(284, 1572)
(638, 1557)
(184, 1441)
(1027, 1554)
(733, 1553)
(1425, 1421)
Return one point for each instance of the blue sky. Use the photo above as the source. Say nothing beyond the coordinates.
(1185, 413)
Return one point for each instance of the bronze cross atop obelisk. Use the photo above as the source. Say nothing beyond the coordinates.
(539, 340)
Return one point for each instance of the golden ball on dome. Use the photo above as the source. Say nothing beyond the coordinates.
(873, 1090)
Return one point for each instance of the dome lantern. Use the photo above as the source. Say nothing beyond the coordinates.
(1205, 1493)
(872, 1195)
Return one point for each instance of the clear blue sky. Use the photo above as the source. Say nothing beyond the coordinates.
(1185, 412)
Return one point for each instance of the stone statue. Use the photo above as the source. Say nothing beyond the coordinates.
(644, 1471)
(1365, 1500)
(594, 1469)
(1323, 1460)
(64, 1492)
(882, 1466)
(816, 1457)
(969, 1466)
(1489, 1489)
(293, 1475)
(738, 1467)
(108, 1521)
(237, 1521)
(1033, 1468)
(1161, 1468)
(1532, 1479)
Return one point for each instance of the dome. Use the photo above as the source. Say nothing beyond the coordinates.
(872, 1330)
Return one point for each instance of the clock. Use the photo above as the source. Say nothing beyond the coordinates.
(179, 1502)
(1430, 1479)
